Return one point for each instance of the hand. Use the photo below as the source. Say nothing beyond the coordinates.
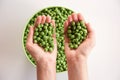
(34, 49)
(45, 61)
(76, 59)
(84, 49)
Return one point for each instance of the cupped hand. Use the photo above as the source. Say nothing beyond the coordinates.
(85, 47)
(34, 49)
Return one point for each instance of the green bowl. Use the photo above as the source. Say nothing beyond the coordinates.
(59, 14)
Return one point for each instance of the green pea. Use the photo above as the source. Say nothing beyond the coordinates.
(50, 49)
(82, 23)
(75, 46)
(38, 39)
(81, 32)
(40, 29)
(46, 49)
(42, 33)
(36, 29)
(35, 41)
(43, 43)
(78, 23)
(79, 27)
(46, 24)
(72, 36)
(36, 33)
(69, 31)
(70, 45)
(73, 23)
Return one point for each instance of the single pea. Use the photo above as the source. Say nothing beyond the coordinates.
(57, 66)
(78, 42)
(35, 41)
(36, 33)
(70, 45)
(79, 27)
(73, 23)
(62, 47)
(38, 39)
(84, 30)
(42, 33)
(75, 46)
(50, 25)
(49, 33)
(40, 29)
(78, 23)
(41, 25)
(81, 32)
(85, 34)
(46, 24)
(82, 23)
(50, 49)
(69, 31)
(45, 27)
(77, 34)
(81, 37)
(47, 44)
(36, 29)
(77, 30)
(46, 32)
(43, 43)
(72, 36)
(46, 49)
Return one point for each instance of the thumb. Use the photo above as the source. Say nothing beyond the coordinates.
(55, 45)
(30, 35)
(67, 49)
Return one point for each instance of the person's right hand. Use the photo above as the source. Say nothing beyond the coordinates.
(85, 47)
(35, 50)
(45, 61)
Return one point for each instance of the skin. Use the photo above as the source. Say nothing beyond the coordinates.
(77, 58)
(46, 61)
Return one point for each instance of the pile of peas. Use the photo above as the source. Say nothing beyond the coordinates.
(59, 14)
(76, 33)
(43, 36)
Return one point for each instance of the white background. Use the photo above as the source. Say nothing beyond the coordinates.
(104, 16)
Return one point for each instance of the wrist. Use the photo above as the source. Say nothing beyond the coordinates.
(76, 60)
(46, 71)
(46, 64)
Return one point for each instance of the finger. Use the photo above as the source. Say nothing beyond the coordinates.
(75, 17)
(67, 49)
(55, 46)
(70, 19)
(48, 19)
(30, 35)
(38, 21)
(80, 17)
(53, 22)
(90, 31)
(43, 19)
(65, 26)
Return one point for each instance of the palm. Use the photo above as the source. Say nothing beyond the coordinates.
(86, 45)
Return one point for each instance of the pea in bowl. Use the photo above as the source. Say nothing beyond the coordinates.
(59, 14)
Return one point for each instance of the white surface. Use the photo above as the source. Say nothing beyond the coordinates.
(104, 16)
